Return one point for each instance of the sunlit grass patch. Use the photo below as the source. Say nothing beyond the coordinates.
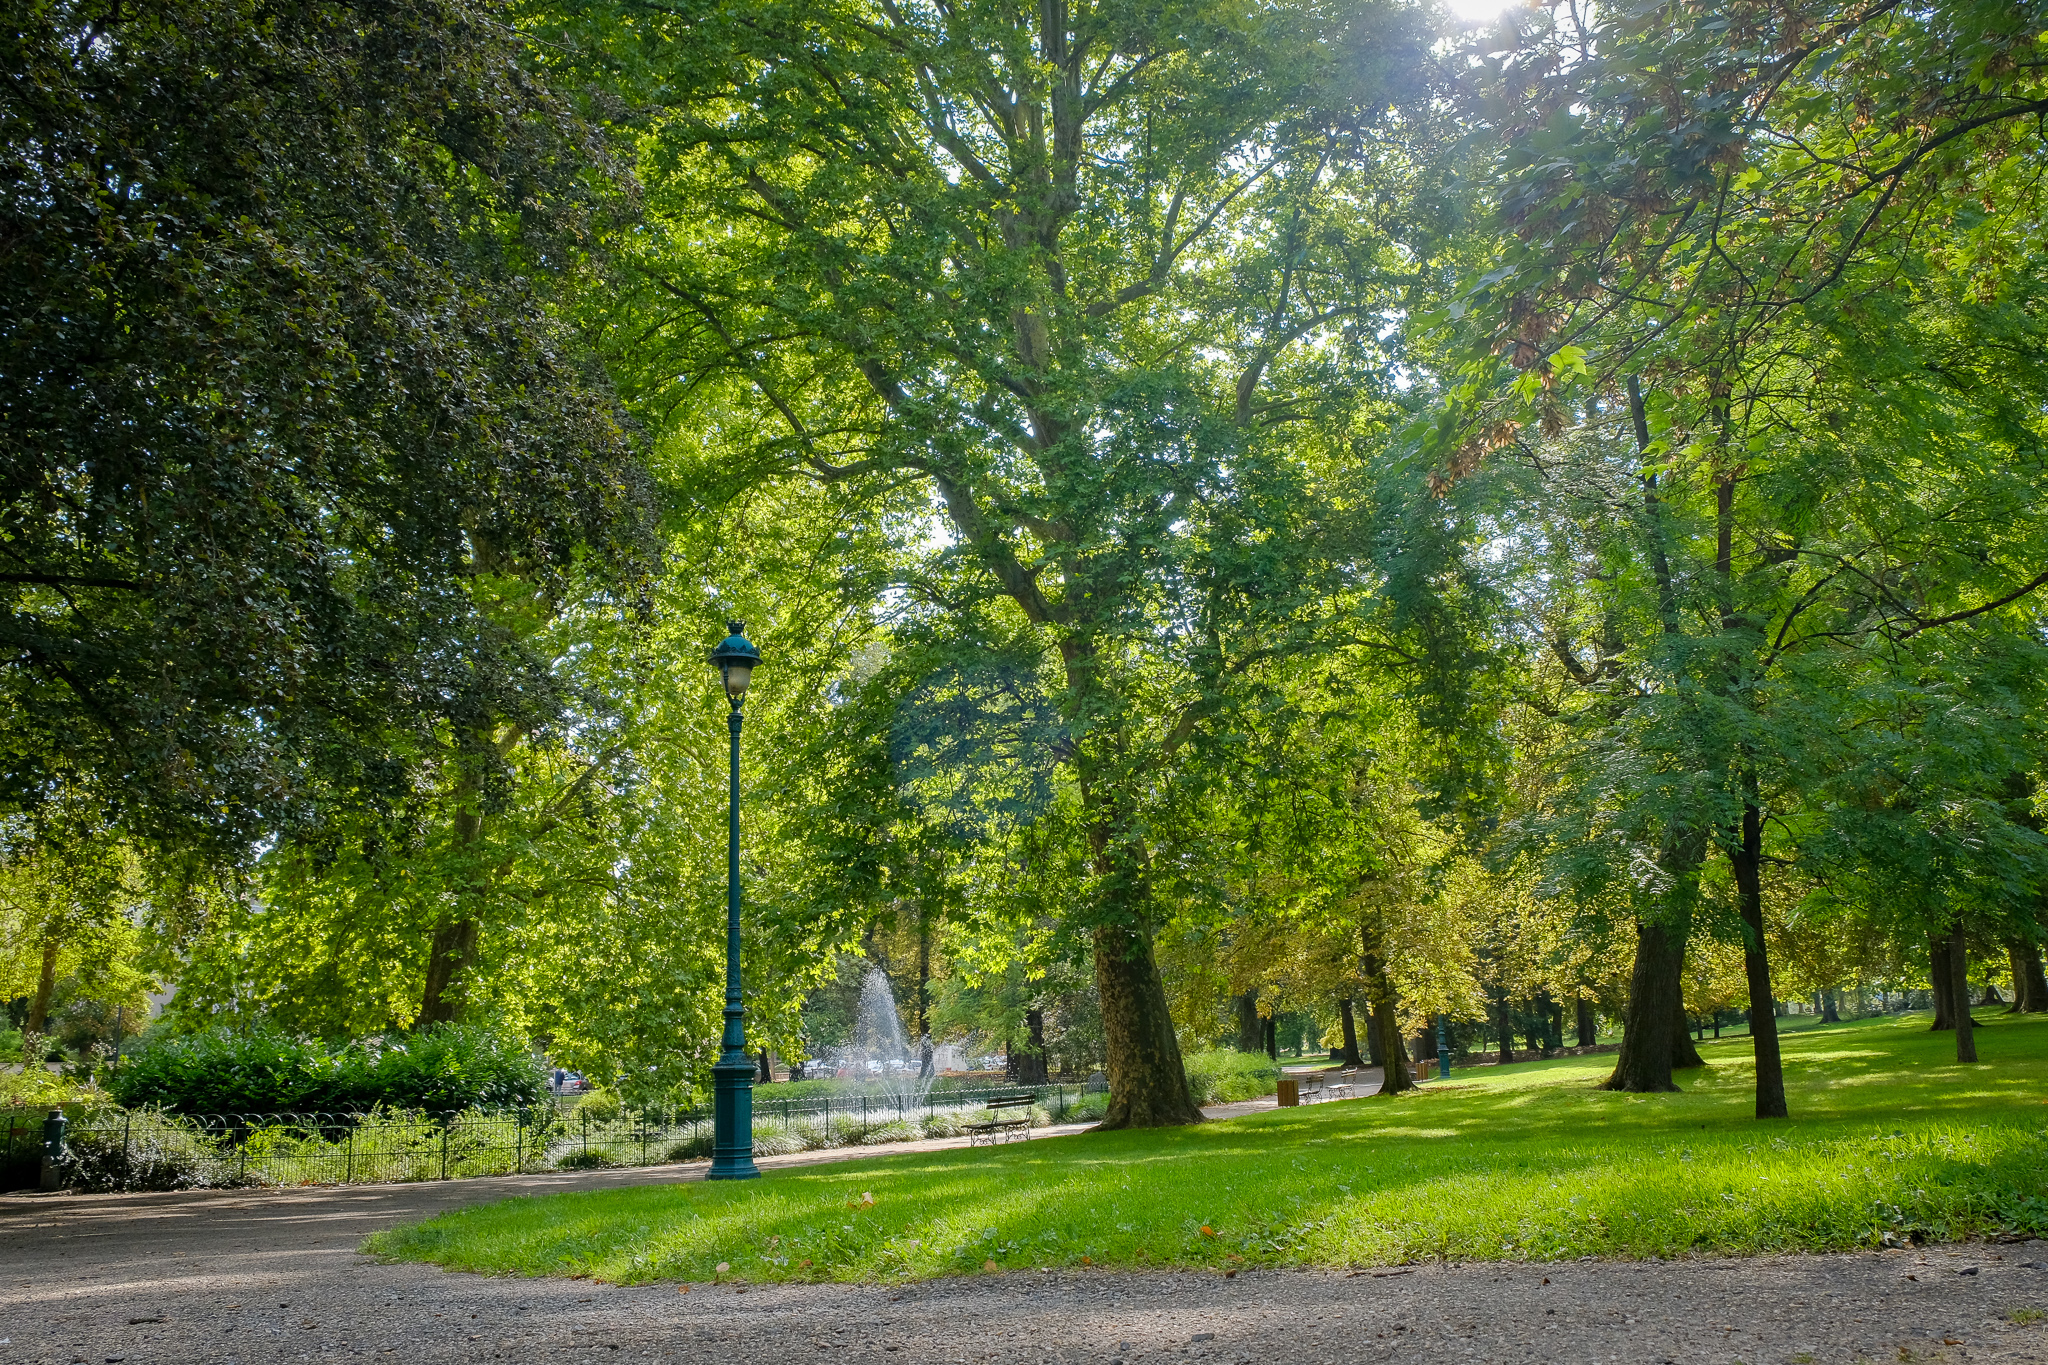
(1890, 1140)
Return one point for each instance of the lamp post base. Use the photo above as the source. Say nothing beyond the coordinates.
(732, 1121)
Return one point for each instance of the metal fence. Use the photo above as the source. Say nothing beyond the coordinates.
(113, 1149)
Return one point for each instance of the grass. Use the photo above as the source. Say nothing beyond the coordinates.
(1890, 1140)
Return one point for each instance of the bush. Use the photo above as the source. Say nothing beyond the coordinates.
(1088, 1109)
(456, 1066)
(778, 1137)
(598, 1106)
(589, 1159)
(772, 1137)
(695, 1147)
(943, 1123)
(146, 1150)
(895, 1130)
(1222, 1076)
(219, 1071)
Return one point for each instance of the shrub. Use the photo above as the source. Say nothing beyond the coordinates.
(145, 1150)
(943, 1123)
(695, 1147)
(778, 1137)
(219, 1071)
(587, 1159)
(1222, 1076)
(457, 1066)
(1088, 1109)
(895, 1130)
(598, 1106)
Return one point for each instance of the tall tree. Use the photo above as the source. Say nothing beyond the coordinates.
(282, 379)
(1073, 269)
(1762, 221)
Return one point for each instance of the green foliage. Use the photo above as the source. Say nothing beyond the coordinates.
(145, 1150)
(587, 1159)
(598, 1106)
(222, 1071)
(286, 381)
(1529, 1162)
(1224, 1076)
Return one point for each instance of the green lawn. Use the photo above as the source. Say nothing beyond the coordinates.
(1528, 1161)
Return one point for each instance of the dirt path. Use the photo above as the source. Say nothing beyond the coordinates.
(247, 1277)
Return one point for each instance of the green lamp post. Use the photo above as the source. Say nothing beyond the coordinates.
(732, 1125)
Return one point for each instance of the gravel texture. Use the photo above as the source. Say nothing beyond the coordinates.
(247, 1277)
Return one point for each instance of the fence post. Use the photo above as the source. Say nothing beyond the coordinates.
(127, 1155)
(447, 1122)
(348, 1176)
(519, 1143)
(643, 1137)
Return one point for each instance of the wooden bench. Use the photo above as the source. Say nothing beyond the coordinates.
(1006, 1114)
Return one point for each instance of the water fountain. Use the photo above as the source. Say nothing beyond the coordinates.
(878, 1052)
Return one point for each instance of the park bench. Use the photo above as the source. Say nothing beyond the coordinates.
(1006, 1114)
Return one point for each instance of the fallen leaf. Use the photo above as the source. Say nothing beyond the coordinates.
(988, 1265)
(682, 1289)
(1208, 1231)
(724, 1266)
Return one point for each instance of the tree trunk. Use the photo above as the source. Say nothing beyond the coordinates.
(1684, 1055)
(1396, 1074)
(1505, 1027)
(1148, 1084)
(39, 1003)
(1941, 981)
(1959, 992)
(1350, 1057)
(454, 943)
(764, 1072)
(1589, 1030)
(1650, 1031)
(1828, 1013)
(2029, 985)
(1250, 1029)
(1273, 1038)
(1425, 1044)
(924, 998)
(1031, 1068)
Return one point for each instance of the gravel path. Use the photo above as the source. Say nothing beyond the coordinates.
(248, 1277)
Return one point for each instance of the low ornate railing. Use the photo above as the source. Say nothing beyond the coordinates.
(110, 1148)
